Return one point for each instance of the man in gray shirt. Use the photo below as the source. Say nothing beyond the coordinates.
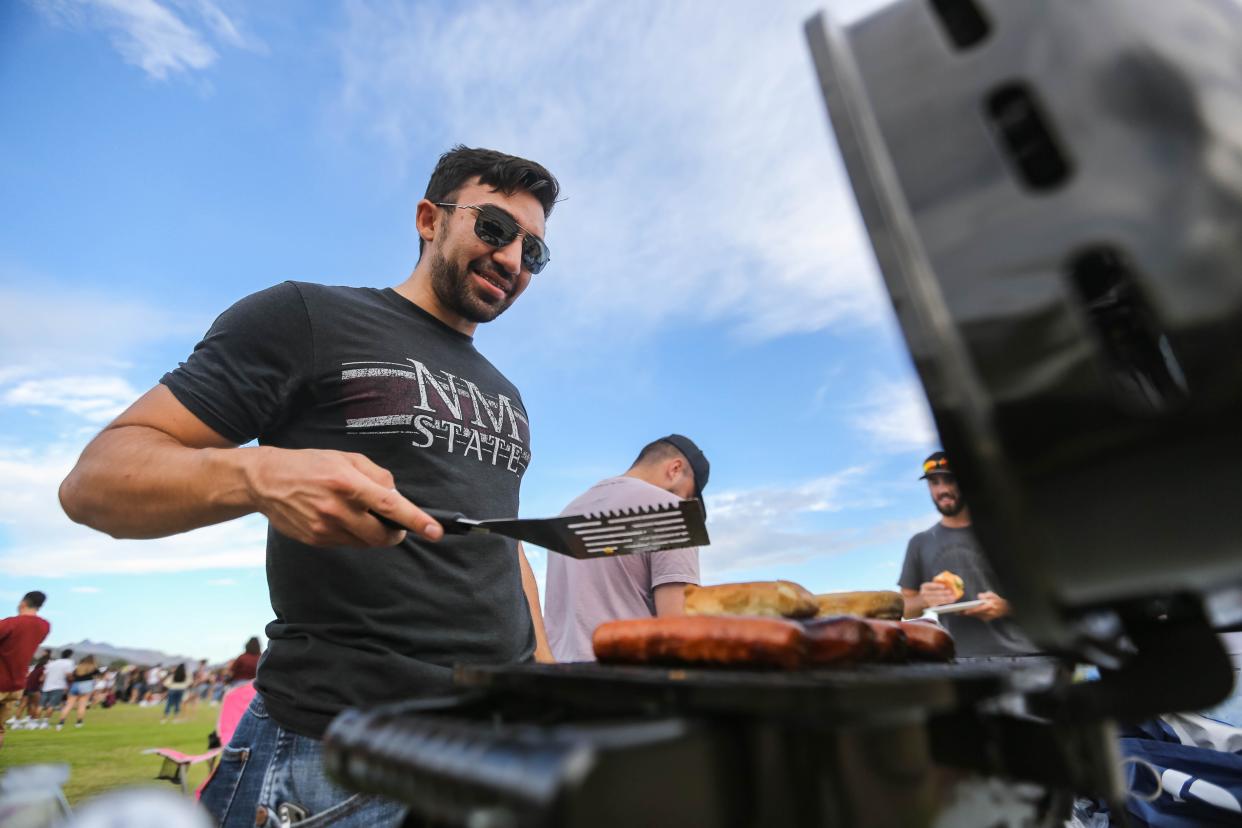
(950, 546)
(581, 595)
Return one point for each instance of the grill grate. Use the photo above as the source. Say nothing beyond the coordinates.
(858, 692)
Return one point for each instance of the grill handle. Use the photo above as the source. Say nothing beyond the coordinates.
(469, 771)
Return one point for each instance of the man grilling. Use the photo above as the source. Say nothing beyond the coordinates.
(948, 549)
(359, 397)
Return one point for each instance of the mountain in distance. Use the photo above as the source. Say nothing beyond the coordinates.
(107, 653)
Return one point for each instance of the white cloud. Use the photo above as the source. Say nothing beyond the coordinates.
(42, 541)
(691, 143)
(225, 28)
(87, 590)
(82, 329)
(152, 35)
(896, 416)
(97, 399)
(775, 525)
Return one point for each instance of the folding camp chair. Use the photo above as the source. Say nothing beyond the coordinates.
(177, 765)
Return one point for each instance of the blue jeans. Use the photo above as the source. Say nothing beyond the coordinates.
(173, 703)
(267, 772)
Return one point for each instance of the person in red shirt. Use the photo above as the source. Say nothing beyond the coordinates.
(246, 665)
(20, 636)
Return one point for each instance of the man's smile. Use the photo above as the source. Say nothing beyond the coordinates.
(488, 275)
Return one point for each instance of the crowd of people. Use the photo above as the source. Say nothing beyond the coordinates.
(43, 691)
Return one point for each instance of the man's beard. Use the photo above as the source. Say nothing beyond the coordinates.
(451, 285)
(952, 508)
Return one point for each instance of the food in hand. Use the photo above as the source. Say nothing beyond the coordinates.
(841, 639)
(762, 598)
(707, 641)
(881, 604)
(953, 582)
(928, 641)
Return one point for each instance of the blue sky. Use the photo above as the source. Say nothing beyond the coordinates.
(161, 159)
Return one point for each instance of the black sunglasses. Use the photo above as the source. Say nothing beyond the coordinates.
(496, 227)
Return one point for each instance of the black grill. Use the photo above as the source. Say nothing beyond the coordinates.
(592, 745)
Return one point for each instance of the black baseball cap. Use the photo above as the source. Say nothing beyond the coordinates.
(696, 458)
(936, 463)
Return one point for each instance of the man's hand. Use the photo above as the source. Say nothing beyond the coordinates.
(935, 595)
(325, 498)
(993, 607)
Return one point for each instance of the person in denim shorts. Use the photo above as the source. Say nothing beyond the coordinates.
(56, 679)
(80, 688)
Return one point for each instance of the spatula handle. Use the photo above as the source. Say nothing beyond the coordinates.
(450, 521)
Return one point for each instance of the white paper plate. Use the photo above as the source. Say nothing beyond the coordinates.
(960, 606)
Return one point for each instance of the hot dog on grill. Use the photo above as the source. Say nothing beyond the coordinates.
(761, 598)
(702, 640)
(928, 641)
(890, 639)
(840, 639)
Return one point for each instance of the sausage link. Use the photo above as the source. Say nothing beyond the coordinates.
(703, 639)
(928, 642)
(890, 639)
(839, 639)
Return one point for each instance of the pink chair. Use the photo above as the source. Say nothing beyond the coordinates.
(177, 764)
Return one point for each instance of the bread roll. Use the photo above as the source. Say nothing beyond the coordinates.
(953, 581)
(883, 604)
(763, 598)
(841, 639)
(709, 641)
(928, 641)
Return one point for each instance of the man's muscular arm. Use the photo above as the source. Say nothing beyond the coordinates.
(158, 470)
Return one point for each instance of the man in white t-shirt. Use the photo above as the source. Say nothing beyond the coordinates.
(581, 595)
(56, 681)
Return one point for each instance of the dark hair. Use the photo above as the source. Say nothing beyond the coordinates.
(34, 599)
(65, 653)
(657, 451)
(179, 673)
(505, 173)
(252, 646)
(43, 659)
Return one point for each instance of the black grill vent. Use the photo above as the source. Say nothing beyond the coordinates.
(1026, 135)
(963, 21)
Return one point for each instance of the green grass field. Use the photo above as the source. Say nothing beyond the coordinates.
(104, 754)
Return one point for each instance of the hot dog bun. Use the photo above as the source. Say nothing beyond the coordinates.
(883, 604)
(772, 599)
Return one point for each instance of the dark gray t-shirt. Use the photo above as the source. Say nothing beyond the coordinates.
(939, 548)
(364, 370)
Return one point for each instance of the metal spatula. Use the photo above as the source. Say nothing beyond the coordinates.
(598, 535)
